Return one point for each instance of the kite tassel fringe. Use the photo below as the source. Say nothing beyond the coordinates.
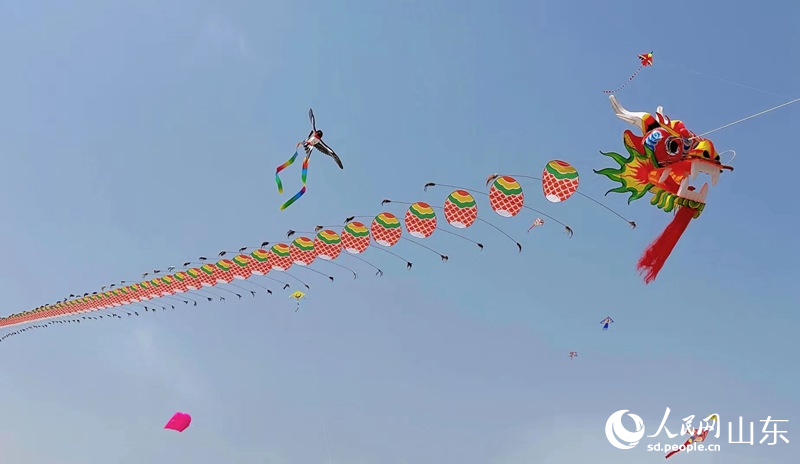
(626, 83)
(654, 257)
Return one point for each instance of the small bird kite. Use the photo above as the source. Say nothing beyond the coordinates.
(573, 354)
(607, 321)
(314, 140)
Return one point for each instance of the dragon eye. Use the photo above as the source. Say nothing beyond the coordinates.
(706, 154)
(673, 146)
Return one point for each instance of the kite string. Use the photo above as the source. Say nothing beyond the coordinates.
(749, 117)
(727, 81)
(435, 184)
(579, 193)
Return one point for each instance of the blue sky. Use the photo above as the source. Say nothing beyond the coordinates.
(141, 136)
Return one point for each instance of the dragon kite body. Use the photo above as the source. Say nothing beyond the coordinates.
(664, 161)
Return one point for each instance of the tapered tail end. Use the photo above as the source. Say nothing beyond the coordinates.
(654, 257)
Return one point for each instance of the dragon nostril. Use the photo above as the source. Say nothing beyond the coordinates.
(706, 154)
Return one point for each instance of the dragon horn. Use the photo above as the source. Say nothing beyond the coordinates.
(625, 115)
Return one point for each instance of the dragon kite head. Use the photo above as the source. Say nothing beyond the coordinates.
(666, 161)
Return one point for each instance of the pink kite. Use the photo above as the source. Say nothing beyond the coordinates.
(180, 422)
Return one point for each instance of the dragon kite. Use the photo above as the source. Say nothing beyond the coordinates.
(665, 160)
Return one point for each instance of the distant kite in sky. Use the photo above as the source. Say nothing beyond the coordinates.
(646, 59)
(297, 295)
(313, 141)
(536, 223)
(607, 321)
(697, 436)
(573, 354)
(179, 422)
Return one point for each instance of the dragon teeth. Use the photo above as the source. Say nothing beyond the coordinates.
(682, 190)
(664, 175)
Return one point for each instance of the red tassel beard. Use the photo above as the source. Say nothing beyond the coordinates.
(656, 254)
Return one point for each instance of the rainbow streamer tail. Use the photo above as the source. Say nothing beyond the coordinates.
(626, 83)
(284, 166)
(303, 176)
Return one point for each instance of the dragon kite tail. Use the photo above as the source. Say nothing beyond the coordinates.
(654, 257)
(626, 83)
